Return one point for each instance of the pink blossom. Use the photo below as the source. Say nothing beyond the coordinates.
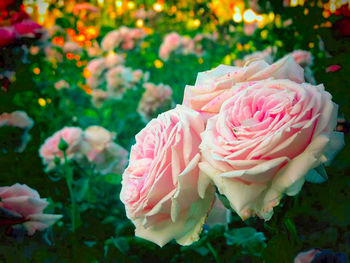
(333, 68)
(266, 140)
(160, 185)
(23, 205)
(7, 36)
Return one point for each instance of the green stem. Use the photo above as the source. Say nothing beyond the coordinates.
(212, 250)
(69, 181)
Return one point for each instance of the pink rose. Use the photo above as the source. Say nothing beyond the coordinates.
(18, 119)
(155, 97)
(267, 139)
(113, 59)
(96, 66)
(85, 6)
(161, 191)
(103, 152)
(7, 36)
(23, 205)
(28, 28)
(61, 84)
(214, 87)
(333, 68)
(111, 40)
(73, 136)
(71, 46)
(302, 57)
(306, 257)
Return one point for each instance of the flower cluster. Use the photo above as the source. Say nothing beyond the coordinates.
(124, 37)
(94, 145)
(18, 120)
(21, 210)
(185, 45)
(256, 132)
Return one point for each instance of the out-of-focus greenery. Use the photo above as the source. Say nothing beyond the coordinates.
(318, 217)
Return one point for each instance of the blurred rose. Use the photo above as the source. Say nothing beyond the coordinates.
(73, 136)
(333, 68)
(28, 28)
(71, 47)
(7, 36)
(104, 153)
(266, 140)
(155, 97)
(22, 206)
(114, 59)
(18, 119)
(266, 55)
(161, 192)
(19, 17)
(98, 97)
(61, 84)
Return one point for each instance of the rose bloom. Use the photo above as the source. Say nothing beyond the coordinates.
(28, 28)
(18, 119)
(160, 187)
(119, 79)
(154, 98)
(73, 136)
(96, 66)
(266, 141)
(98, 97)
(213, 87)
(103, 152)
(320, 256)
(85, 6)
(22, 209)
(19, 17)
(265, 55)
(7, 36)
(111, 40)
(71, 47)
(171, 42)
(113, 59)
(302, 57)
(61, 84)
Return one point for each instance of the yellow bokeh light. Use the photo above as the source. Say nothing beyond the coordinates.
(196, 22)
(100, 2)
(249, 16)
(311, 45)
(118, 4)
(200, 61)
(158, 63)
(131, 5)
(237, 17)
(158, 7)
(42, 102)
(29, 10)
(86, 73)
(139, 23)
(264, 34)
(293, 3)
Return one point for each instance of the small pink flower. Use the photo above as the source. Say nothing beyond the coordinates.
(155, 97)
(333, 68)
(71, 47)
(306, 257)
(18, 119)
(73, 136)
(61, 84)
(107, 156)
(160, 185)
(23, 205)
(85, 6)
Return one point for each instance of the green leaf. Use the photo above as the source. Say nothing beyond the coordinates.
(113, 178)
(251, 241)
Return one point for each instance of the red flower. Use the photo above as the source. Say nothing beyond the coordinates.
(7, 36)
(28, 28)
